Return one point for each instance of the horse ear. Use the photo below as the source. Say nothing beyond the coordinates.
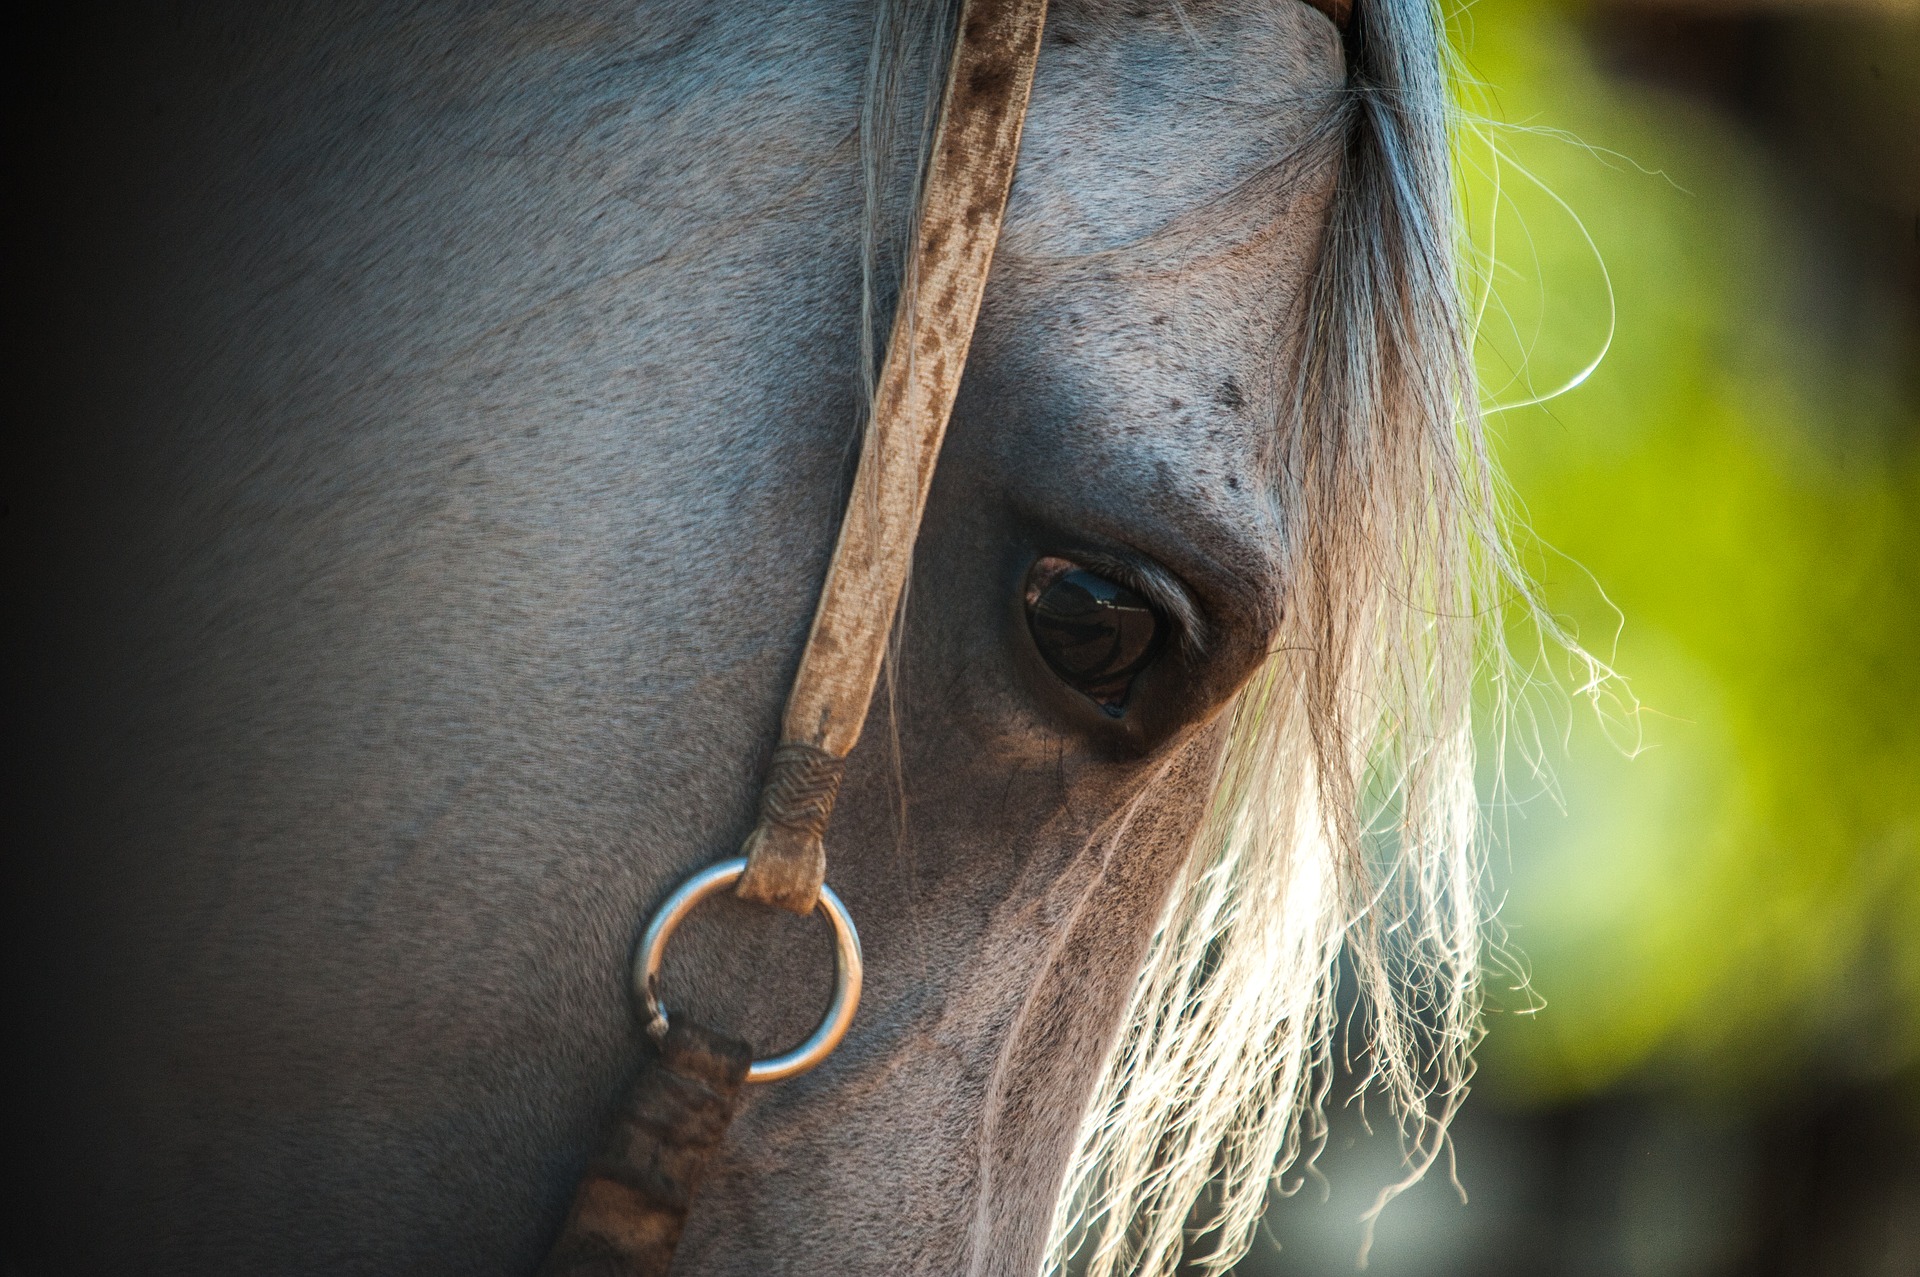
(1341, 11)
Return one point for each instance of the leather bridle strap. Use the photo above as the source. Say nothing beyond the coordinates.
(632, 1201)
(963, 200)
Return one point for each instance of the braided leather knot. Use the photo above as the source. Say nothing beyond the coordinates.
(801, 786)
(786, 860)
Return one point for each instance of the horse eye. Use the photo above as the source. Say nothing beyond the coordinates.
(1097, 635)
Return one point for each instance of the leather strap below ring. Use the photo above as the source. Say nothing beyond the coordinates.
(632, 1201)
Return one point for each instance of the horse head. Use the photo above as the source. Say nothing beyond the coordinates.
(487, 386)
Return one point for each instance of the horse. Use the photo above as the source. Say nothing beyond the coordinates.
(447, 412)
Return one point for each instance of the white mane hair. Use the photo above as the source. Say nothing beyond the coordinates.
(1344, 821)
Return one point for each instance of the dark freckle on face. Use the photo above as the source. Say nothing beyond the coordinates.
(1159, 321)
(1230, 396)
(1233, 482)
(1175, 405)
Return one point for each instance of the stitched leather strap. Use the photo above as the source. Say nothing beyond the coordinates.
(632, 1202)
(629, 1209)
(963, 201)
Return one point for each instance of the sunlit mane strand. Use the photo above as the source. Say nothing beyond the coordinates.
(1345, 818)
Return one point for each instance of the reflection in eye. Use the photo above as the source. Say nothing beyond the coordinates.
(1095, 634)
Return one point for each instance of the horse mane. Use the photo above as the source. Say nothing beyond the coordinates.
(1344, 829)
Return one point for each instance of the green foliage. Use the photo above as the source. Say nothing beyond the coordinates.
(1723, 886)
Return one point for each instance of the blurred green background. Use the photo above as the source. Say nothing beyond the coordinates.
(1706, 1059)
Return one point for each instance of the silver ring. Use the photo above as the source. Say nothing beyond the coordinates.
(846, 969)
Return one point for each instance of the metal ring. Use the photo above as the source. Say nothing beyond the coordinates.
(846, 969)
